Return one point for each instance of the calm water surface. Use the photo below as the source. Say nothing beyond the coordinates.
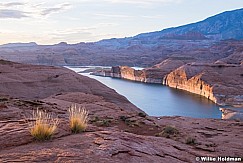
(158, 100)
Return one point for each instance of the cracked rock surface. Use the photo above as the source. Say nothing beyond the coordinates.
(117, 130)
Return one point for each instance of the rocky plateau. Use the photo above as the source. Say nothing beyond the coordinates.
(117, 130)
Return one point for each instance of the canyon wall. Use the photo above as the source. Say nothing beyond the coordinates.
(182, 79)
(221, 83)
(153, 74)
(128, 73)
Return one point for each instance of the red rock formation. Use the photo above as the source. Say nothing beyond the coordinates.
(116, 132)
(153, 74)
(220, 83)
(128, 73)
(232, 113)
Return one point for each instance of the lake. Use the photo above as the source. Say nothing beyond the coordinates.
(159, 100)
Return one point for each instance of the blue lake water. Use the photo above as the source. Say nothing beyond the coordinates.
(159, 100)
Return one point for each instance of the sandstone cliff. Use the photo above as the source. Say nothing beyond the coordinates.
(221, 83)
(128, 73)
(153, 74)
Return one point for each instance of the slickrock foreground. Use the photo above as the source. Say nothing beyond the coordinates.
(117, 132)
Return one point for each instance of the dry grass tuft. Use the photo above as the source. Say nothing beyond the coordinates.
(44, 125)
(78, 118)
(168, 132)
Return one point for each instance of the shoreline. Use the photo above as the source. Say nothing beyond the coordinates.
(228, 111)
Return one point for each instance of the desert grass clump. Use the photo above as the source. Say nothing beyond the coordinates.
(78, 119)
(43, 125)
(191, 141)
(168, 132)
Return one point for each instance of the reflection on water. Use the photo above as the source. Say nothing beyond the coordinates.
(158, 100)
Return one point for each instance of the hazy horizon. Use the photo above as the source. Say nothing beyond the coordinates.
(75, 21)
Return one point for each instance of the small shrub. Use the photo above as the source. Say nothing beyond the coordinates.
(168, 131)
(123, 118)
(141, 114)
(95, 119)
(129, 122)
(44, 125)
(191, 141)
(78, 118)
(105, 122)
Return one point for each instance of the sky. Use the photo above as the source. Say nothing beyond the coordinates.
(74, 21)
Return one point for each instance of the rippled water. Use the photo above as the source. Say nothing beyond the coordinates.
(158, 100)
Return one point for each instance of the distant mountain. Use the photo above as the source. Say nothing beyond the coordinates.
(210, 40)
(12, 45)
(226, 25)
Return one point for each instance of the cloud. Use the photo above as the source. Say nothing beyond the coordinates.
(87, 29)
(19, 10)
(153, 16)
(113, 15)
(11, 4)
(56, 9)
(143, 2)
(8, 13)
(10, 10)
(85, 33)
(69, 35)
